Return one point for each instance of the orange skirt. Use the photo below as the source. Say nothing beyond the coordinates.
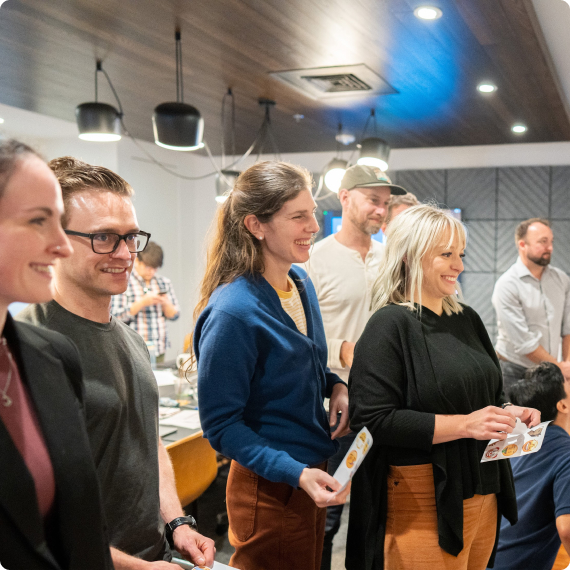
(411, 526)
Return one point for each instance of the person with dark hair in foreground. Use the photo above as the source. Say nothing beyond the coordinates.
(50, 506)
(542, 479)
(149, 301)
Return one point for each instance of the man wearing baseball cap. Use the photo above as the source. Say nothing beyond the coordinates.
(343, 268)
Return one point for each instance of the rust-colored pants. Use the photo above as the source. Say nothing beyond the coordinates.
(411, 527)
(272, 525)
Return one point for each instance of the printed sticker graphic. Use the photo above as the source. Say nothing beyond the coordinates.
(351, 459)
(492, 452)
(510, 450)
(520, 441)
(530, 445)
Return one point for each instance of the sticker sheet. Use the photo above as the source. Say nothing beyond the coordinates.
(353, 458)
(521, 441)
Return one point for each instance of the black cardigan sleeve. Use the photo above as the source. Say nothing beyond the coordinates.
(378, 384)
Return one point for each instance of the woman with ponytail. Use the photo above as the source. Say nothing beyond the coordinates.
(261, 351)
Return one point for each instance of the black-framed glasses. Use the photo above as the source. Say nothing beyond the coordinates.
(106, 242)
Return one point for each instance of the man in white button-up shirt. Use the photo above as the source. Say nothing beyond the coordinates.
(343, 268)
(532, 302)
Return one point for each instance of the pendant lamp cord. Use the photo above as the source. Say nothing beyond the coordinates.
(179, 76)
(99, 68)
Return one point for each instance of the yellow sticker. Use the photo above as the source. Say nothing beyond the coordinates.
(351, 459)
(510, 450)
(530, 445)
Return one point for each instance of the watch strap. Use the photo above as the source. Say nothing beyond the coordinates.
(170, 527)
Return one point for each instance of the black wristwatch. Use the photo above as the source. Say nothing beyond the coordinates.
(174, 524)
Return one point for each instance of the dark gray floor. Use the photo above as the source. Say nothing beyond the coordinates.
(212, 503)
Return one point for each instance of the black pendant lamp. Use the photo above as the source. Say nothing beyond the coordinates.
(374, 151)
(177, 125)
(99, 121)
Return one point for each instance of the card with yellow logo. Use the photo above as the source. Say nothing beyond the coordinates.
(354, 457)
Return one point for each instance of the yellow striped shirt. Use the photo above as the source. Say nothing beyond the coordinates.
(293, 306)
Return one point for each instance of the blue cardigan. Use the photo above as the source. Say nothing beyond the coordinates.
(261, 383)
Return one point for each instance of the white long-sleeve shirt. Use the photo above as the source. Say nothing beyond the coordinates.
(531, 312)
(343, 282)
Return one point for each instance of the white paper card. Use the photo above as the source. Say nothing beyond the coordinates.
(521, 441)
(164, 377)
(189, 566)
(189, 419)
(353, 458)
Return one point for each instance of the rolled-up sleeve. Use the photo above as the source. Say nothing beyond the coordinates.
(172, 298)
(511, 317)
(333, 353)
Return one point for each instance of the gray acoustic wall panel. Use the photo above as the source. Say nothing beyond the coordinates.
(473, 190)
(425, 184)
(477, 291)
(480, 250)
(523, 192)
(561, 253)
(560, 202)
(507, 252)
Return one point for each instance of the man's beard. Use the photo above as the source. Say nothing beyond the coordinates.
(543, 260)
(366, 227)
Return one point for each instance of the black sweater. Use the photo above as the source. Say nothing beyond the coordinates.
(407, 368)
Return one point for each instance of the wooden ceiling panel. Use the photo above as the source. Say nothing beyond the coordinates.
(48, 52)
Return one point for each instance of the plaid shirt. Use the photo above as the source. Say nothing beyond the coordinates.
(149, 322)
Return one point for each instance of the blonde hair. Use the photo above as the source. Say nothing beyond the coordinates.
(413, 234)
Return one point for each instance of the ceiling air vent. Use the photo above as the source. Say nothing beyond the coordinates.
(334, 82)
(345, 83)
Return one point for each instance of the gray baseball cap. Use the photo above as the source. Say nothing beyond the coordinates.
(360, 176)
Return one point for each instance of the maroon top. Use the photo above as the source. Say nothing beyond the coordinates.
(22, 424)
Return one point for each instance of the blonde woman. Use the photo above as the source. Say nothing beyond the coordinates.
(427, 384)
(262, 371)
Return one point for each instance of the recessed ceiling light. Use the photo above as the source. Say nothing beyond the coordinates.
(519, 129)
(486, 87)
(1, 120)
(428, 13)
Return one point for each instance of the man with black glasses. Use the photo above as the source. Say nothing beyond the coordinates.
(121, 395)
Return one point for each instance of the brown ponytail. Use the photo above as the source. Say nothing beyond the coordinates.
(260, 190)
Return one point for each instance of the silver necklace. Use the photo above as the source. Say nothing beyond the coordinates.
(6, 400)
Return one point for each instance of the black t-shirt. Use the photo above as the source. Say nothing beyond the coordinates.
(121, 405)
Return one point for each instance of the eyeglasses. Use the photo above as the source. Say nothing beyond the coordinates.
(104, 242)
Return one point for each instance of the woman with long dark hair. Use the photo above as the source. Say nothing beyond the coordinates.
(50, 508)
(262, 374)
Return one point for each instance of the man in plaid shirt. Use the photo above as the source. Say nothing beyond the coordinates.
(148, 301)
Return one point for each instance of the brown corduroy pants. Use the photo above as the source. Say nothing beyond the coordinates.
(411, 527)
(273, 526)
